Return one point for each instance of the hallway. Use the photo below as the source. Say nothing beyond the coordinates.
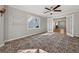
(60, 25)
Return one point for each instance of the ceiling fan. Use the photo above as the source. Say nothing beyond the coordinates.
(2, 11)
(51, 9)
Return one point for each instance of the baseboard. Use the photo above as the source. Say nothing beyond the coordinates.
(15, 38)
(1, 45)
(77, 35)
(22, 37)
(70, 34)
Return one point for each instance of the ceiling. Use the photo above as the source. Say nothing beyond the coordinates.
(39, 9)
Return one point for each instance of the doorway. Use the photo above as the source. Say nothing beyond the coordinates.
(60, 25)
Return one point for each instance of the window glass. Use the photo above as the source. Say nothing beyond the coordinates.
(34, 22)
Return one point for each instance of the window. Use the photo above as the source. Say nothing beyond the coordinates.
(34, 22)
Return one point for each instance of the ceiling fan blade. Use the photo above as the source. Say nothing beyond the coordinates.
(2, 11)
(46, 12)
(47, 8)
(56, 7)
(57, 10)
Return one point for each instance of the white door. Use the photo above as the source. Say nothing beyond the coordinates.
(69, 25)
(50, 25)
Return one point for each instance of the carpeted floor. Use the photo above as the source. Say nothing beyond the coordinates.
(49, 42)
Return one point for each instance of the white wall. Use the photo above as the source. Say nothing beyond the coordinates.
(16, 24)
(76, 24)
(1, 29)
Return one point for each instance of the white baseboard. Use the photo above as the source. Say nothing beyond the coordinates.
(21, 37)
(14, 39)
(1, 45)
(77, 35)
(70, 34)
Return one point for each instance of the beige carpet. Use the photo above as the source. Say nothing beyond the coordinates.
(49, 42)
